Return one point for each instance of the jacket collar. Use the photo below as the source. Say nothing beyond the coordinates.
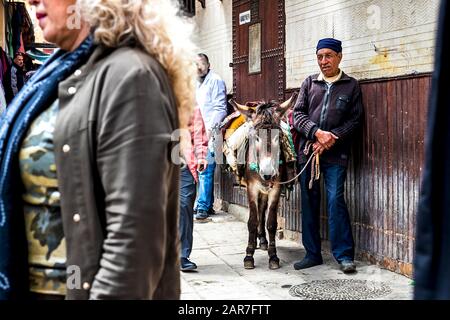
(80, 75)
(208, 76)
(337, 77)
(17, 66)
(317, 78)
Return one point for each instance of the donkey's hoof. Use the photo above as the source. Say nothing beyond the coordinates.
(263, 245)
(249, 263)
(274, 263)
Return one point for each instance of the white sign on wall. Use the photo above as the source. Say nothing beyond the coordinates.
(244, 17)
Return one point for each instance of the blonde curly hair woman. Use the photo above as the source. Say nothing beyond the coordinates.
(85, 155)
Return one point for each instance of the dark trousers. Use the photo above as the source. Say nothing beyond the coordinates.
(187, 198)
(340, 231)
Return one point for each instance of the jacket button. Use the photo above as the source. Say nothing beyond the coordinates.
(86, 286)
(77, 73)
(66, 148)
(72, 90)
(76, 217)
(56, 194)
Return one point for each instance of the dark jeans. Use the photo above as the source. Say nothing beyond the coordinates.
(187, 198)
(340, 231)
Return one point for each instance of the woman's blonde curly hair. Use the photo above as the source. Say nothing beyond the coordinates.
(156, 26)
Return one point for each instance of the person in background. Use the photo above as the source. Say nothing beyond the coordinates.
(194, 156)
(14, 78)
(76, 221)
(211, 97)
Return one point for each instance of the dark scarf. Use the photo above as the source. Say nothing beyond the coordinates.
(35, 97)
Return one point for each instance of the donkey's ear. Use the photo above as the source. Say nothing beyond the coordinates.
(246, 111)
(285, 106)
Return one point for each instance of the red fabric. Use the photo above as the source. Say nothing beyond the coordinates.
(22, 47)
(197, 147)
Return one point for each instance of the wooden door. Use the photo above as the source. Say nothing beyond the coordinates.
(258, 50)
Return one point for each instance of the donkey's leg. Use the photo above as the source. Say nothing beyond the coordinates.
(262, 207)
(274, 262)
(249, 262)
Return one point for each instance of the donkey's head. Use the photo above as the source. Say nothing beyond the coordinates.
(264, 136)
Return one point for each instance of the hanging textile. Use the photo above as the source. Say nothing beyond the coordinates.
(19, 28)
(4, 63)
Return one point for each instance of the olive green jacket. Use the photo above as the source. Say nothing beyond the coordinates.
(119, 188)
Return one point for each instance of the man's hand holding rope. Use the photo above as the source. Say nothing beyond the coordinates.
(326, 139)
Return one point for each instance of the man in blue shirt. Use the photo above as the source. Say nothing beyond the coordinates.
(211, 97)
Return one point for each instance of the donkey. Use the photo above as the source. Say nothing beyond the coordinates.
(263, 174)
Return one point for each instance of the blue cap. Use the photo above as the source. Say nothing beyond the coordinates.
(329, 43)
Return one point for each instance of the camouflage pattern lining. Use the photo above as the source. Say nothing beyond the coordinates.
(46, 243)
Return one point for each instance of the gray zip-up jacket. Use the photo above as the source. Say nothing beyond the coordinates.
(337, 108)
